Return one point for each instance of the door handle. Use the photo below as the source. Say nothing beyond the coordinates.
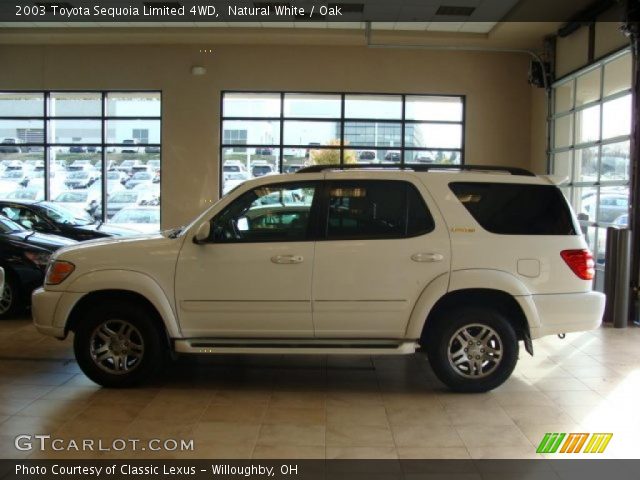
(287, 259)
(427, 257)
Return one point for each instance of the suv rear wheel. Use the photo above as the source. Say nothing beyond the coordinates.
(117, 344)
(472, 349)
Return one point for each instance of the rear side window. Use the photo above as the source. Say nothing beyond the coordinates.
(516, 209)
(375, 210)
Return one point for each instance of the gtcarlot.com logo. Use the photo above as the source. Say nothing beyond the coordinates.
(574, 442)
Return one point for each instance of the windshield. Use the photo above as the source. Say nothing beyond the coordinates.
(7, 226)
(24, 194)
(72, 197)
(113, 175)
(231, 168)
(123, 197)
(141, 176)
(78, 175)
(12, 174)
(62, 215)
(135, 215)
(261, 169)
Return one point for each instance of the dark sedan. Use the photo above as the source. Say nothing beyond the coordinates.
(24, 255)
(50, 217)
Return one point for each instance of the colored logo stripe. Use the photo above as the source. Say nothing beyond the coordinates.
(574, 442)
(550, 442)
(598, 442)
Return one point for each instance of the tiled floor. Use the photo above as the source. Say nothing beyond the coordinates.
(324, 407)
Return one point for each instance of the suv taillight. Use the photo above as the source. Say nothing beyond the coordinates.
(580, 262)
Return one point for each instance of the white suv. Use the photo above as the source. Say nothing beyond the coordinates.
(459, 262)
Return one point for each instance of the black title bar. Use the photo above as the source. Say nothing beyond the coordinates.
(214, 11)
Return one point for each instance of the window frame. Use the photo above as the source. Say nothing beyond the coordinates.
(575, 147)
(104, 117)
(342, 121)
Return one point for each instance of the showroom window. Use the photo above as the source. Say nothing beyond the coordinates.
(591, 126)
(97, 154)
(276, 132)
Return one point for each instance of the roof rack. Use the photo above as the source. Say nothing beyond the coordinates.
(418, 168)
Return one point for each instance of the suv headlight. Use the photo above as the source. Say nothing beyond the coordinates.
(58, 272)
(41, 259)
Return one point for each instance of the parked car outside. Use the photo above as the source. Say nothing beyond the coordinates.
(259, 169)
(79, 201)
(24, 255)
(611, 206)
(233, 166)
(127, 165)
(130, 146)
(153, 164)
(392, 156)
(115, 181)
(126, 198)
(139, 178)
(144, 219)
(25, 193)
(151, 149)
(367, 156)
(292, 168)
(10, 145)
(232, 180)
(81, 179)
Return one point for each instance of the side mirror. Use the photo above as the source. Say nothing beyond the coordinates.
(202, 235)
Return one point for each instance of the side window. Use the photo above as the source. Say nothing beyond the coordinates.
(29, 219)
(11, 213)
(272, 213)
(376, 209)
(516, 209)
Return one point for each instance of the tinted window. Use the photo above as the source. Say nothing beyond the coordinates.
(516, 209)
(272, 213)
(376, 209)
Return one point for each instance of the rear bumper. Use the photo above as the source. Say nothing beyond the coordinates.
(564, 313)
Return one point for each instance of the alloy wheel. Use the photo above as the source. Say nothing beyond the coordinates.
(6, 300)
(116, 346)
(475, 351)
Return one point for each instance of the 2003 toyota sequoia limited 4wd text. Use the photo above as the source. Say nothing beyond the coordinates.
(459, 262)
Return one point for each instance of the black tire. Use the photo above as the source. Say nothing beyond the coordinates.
(484, 373)
(143, 364)
(11, 298)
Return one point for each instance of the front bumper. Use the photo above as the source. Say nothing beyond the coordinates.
(50, 311)
(564, 313)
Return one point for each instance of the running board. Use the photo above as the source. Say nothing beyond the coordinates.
(300, 346)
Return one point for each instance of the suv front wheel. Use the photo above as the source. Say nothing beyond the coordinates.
(472, 349)
(117, 345)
